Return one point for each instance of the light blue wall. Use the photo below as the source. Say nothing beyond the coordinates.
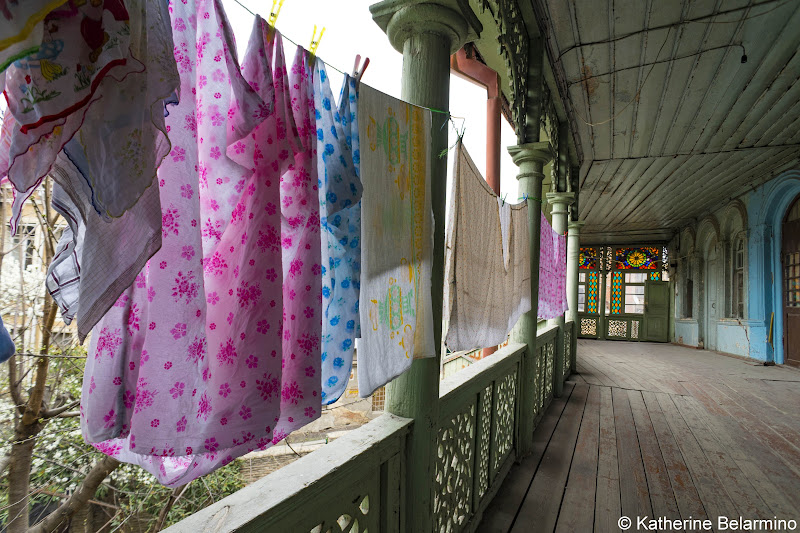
(767, 207)
(686, 332)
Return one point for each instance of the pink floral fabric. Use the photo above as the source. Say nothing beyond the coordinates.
(214, 350)
(552, 272)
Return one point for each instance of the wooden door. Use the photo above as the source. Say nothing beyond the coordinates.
(656, 311)
(790, 259)
(711, 315)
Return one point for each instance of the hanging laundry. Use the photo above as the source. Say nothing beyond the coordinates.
(7, 347)
(21, 28)
(87, 275)
(552, 272)
(86, 270)
(396, 238)
(205, 357)
(98, 85)
(488, 283)
(340, 217)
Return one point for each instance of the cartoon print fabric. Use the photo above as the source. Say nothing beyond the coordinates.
(340, 216)
(21, 28)
(205, 357)
(552, 272)
(96, 87)
(396, 238)
(487, 261)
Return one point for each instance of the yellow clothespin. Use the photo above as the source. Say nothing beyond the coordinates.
(273, 17)
(315, 40)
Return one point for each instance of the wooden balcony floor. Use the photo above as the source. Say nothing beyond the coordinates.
(661, 431)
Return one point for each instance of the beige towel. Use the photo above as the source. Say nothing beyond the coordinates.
(487, 261)
(396, 238)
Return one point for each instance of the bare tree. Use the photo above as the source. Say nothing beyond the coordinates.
(37, 406)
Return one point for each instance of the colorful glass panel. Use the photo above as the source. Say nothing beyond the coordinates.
(587, 259)
(616, 293)
(655, 276)
(592, 292)
(646, 258)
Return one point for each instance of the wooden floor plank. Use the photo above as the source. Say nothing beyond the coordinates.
(541, 505)
(634, 496)
(658, 430)
(607, 507)
(686, 497)
(712, 493)
(758, 427)
(741, 492)
(501, 512)
(662, 497)
(758, 463)
(577, 508)
(781, 423)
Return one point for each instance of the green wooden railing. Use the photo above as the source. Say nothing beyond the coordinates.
(356, 483)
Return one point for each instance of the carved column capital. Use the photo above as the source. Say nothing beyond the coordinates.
(560, 202)
(400, 19)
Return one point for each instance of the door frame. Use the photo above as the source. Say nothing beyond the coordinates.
(711, 247)
(782, 308)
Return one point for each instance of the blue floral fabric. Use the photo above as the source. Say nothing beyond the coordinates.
(340, 218)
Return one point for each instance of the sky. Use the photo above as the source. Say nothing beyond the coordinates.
(352, 31)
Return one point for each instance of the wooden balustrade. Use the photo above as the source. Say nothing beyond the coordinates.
(357, 483)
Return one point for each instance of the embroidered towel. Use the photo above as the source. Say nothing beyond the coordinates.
(552, 272)
(102, 103)
(396, 238)
(21, 28)
(340, 216)
(488, 283)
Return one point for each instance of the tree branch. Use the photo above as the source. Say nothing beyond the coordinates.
(174, 497)
(51, 413)
(79, 498)
(15, 385)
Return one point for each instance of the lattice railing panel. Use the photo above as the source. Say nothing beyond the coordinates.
(505, 405)
(452, 486)
(550, 355)
(355, 513)
(567, 349)
(588, 327)
(635, 329)
(539, 379)
(618, 328)
(484, 444)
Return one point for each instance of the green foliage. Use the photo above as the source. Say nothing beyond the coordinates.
(62, 458)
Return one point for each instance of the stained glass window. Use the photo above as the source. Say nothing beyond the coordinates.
(616, 293)
(655, 276)
(587, 259)
(645, 257)
(592, 292)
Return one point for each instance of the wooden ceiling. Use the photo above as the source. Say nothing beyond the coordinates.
(672, 124)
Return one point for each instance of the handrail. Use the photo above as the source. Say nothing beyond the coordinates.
(275, 502)
(478, 372)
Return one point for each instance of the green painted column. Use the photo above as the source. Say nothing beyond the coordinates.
(560, 202)
(426, 34)
(573, 252)
(531, 159)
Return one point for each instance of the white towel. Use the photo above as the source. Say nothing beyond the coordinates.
(397, 238)
(487, 261)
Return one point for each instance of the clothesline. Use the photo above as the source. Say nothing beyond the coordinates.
(341, 71)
